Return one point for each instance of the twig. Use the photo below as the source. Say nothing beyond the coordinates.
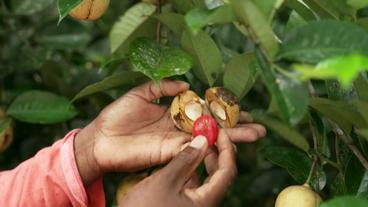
(315, 158)
(337, 150)
(349, 143)
(158, 28)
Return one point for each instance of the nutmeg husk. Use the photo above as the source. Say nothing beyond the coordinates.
(224, 106)
(185, 109)
(90, 9)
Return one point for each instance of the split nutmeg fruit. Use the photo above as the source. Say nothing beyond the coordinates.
(298, 196)
(90, 9)
(219, 102)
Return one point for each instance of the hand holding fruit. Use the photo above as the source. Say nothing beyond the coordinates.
(174, 185)
(134, 133)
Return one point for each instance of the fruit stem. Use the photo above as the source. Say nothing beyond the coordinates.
(158, 28)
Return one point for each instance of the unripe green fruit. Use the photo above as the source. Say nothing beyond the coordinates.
(90, 9)
(298, 196)
(127, 184)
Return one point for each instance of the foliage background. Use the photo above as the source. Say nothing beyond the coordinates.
(299, 66)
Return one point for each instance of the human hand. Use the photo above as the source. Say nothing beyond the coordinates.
(176, 184)
(134, 133)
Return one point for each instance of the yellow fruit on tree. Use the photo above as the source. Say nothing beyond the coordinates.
(90, 9)
(298, 196)
(127, 184)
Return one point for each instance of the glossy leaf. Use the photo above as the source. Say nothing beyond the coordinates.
(285, 131)
(65, 6)
(29, 7)
(240, 74)
(339, 112)
(40, 107)
(345, 201)
(343, 68)
(108, 83)
(131, 20)
(296, 162)
(320, 40)
(206, 55)
(289, 95)
(257, 24)
(157, 61)
(175, 22)
(198, 18)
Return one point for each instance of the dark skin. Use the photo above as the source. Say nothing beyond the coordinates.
(134, 133)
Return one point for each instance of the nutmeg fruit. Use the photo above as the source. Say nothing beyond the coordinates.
(90, 9)
(224, 106)
(127, 184)
(298, 196)
(185, 109)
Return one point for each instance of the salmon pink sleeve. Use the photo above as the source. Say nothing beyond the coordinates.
(50, 178)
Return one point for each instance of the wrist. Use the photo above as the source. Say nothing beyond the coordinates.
(88, 167)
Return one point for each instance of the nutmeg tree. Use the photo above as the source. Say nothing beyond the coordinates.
(298, 66)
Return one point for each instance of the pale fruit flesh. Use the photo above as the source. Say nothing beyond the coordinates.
(298, 196)
(90, 9)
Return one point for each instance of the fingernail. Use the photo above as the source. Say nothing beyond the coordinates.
(183, 83)
(198, 142)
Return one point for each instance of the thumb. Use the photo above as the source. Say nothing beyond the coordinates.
(181, 168)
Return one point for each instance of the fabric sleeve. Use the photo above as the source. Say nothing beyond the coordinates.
(50, 178)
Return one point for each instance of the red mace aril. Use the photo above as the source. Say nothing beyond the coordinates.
(206, 125)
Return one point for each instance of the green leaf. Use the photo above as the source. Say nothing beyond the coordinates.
(361, 87)
(65, 6)
(108, 83)
(343, 68)
(29, 7)
(257, 24)
(345, 201)
(129, 23)
(285, 131)
(198, 18)
(336, 9)
(175, 22)
(301, 9)
(240, 74)
(40, 107)
(354, 172)
(320, 40)
(157, 61)
(64, 41)
(362, 108)
(296, 162)
(339, 112)
(206, 55)
(289, 95)
(268, 7)
(357, 4)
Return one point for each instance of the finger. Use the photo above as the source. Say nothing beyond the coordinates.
(193, 182)
(182, 167)
(211, 160)
(245, 117)
(217, 186)
(151, 91)
(246, 133)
